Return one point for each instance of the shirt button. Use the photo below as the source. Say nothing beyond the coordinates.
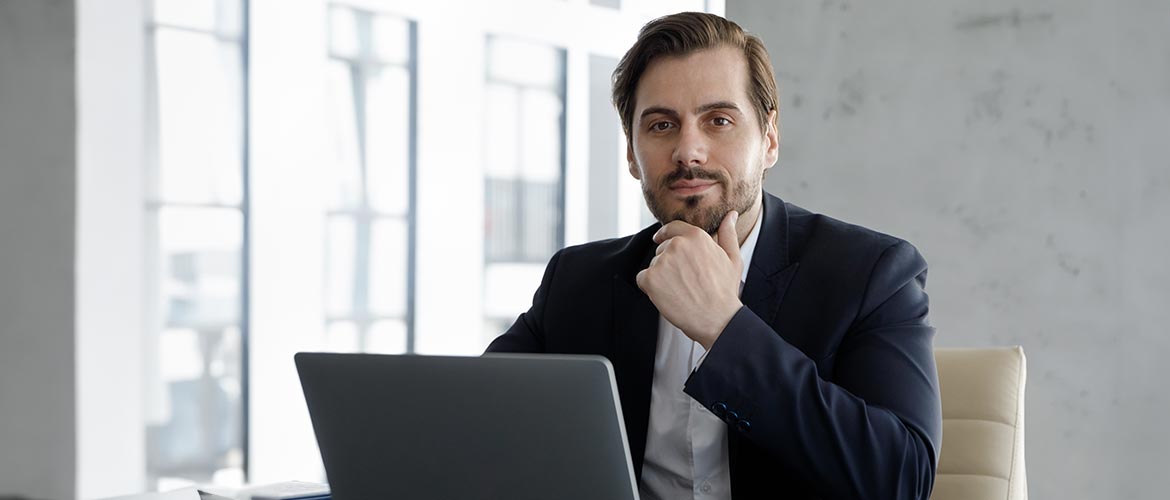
(705, 488)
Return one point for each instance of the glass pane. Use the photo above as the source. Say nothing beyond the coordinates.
(542, 217)
(230, 17)
(501, 129)
(391, 40)
(542, 136)
(200, 249)
(343, 168)
(199, 14)
(200, 267)
(339, 265)
(388, 267)
(341, 336)
(200, 118)
(612, 4)
(500, 220)
(655, 8)
(179, 355)
(509, 289)
(523, 62)
(387, 140)
(343, 32)
(200, 440)
(492, 328)
(198, 434)
(223, 16)
(387, 337)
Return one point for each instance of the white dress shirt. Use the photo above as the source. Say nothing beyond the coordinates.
(686, 446)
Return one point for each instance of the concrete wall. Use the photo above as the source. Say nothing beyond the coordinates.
(37, 223)
(1024, 148)
(71, 229)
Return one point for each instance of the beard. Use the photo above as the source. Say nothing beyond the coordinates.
(739, 197)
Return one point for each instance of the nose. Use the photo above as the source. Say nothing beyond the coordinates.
(691, 149)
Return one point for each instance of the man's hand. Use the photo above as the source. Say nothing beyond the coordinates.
(694, 278)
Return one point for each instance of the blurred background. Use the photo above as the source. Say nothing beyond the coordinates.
(193, 190)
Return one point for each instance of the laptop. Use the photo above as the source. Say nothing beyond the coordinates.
(500, 426)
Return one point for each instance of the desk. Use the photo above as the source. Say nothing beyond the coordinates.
(289, 490)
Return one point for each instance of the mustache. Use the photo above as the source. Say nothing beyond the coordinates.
(691, 173)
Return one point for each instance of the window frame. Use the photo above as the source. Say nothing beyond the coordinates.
(365, 216)
(154, 203)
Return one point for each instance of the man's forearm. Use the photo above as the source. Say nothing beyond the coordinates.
(848, 444)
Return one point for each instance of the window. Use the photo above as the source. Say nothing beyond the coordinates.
(197, 215)
(524, 123)
(346, 181)
(368, 225)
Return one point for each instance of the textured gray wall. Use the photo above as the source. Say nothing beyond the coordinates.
(37, 186)
(1024, 147)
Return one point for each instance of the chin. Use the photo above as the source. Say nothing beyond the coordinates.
(706, 217)
(704, 210)
(696, 202)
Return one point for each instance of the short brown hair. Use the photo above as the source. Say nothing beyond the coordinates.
(681, 34)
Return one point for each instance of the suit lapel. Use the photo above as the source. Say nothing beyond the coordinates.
(770, 271)
(767, 281)
(635, 340)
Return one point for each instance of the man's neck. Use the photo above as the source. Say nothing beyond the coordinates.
(748, 220)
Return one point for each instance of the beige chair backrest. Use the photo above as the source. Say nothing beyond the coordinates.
(982, 454)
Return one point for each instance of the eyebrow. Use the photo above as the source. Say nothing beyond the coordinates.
(700, 110)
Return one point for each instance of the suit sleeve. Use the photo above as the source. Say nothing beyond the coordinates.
(527, 334)
(874, 431)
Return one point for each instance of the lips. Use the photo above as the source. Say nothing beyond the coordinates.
(691, 187)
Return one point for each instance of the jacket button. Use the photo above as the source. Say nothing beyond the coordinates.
(719, 409)
(743, 426)
(732, 416)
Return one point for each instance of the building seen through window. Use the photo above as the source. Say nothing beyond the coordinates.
(196, 218)
(524, 123)
(368, 224)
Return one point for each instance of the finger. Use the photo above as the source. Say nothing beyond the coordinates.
(675, 228)
(640, 279)
(726, 236)
(662, 247)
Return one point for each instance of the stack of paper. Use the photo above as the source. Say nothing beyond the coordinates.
(290, 490)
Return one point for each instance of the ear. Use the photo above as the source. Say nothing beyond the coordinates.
(633, 165)
(771, 142)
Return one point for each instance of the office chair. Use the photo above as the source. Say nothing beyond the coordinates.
(982, 455)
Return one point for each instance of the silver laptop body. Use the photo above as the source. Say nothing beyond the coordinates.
(495, 427)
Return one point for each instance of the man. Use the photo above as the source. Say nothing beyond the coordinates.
(761, 351)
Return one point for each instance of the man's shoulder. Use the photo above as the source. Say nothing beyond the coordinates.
(609, 255)
(848, 266)
(812, 234)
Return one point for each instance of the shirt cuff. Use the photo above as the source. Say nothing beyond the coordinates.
(700, 361)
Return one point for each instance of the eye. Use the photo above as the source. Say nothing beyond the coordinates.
(660, 126)
(720, 121)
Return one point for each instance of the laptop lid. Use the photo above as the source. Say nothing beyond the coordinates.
(500, 426)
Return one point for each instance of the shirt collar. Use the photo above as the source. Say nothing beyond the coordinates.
(748, 248)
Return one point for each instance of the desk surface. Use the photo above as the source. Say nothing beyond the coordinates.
(290, 489)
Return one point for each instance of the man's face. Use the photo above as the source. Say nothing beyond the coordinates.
(697, 143)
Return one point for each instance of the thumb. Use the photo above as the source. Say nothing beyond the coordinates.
(727, 238)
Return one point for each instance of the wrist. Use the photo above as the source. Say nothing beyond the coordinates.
(723, 319)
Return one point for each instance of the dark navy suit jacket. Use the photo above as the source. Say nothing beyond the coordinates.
(826, 377)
